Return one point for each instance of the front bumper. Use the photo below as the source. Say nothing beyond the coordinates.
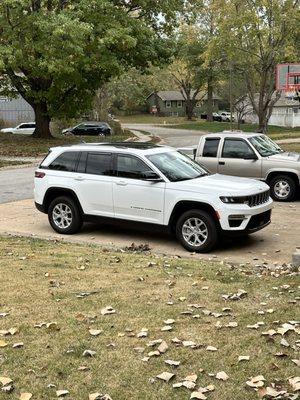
(242, 218)
(40, 207)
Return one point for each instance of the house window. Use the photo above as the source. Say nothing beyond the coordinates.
(198, 104)
(168, 104)
(179, 104)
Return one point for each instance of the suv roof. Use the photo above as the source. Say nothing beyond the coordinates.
(138, 146)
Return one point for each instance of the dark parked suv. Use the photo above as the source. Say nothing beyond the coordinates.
(89, 128)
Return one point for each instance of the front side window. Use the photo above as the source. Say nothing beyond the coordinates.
(131, 167)
(211, 147)
(265, 146)
(65, 162)
(99, 164)
(176, 166)
(234, 148)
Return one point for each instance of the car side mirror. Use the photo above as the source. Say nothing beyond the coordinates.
(251, 157)
(151, 176)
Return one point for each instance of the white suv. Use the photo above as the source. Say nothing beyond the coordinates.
(147, 183)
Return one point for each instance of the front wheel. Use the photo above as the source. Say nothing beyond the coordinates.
(64, 215)
(197, 231)
(283, 188)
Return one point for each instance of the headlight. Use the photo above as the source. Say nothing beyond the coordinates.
(234, 200)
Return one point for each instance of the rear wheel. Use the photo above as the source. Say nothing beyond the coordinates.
(64, 215)
(197, 231)
(283, 188)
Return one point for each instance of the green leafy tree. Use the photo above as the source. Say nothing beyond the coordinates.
(56, 53)
(188, 66)
(256, 35)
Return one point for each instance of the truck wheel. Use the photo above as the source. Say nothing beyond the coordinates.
(64, 215)
(197, 231)
(283, 188)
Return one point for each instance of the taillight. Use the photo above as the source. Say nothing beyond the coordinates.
(38, 174)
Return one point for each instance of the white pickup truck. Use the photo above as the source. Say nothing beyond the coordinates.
(250, 155)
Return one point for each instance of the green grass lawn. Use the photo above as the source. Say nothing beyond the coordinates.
(275, 132)
(65, 286)
(150, 119)
(23, 145)
(291, 147)
(4, 164)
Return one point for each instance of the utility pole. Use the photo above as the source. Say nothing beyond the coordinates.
(230, 93)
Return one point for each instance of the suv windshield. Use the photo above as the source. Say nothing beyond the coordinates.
(265, 146)
(176, 166)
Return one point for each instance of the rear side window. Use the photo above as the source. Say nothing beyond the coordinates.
(99, 164)
(65, 162)
(211, 147)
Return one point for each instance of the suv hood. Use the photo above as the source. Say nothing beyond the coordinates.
(222, 185)
(284, 157)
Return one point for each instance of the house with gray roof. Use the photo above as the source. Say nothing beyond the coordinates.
(171, 103)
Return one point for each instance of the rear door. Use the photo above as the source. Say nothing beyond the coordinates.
(233, 159)
(134, 197)
(209, 156)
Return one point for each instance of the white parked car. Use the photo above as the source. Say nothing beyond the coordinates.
(225, 115)
(26, 128)
(147, 183)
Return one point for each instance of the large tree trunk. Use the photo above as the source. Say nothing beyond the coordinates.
(42, 121)
(210, 97)
(189, 109)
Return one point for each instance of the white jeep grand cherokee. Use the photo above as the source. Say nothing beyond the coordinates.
(147, 183)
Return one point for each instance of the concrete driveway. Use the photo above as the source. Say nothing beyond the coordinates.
(275, 244)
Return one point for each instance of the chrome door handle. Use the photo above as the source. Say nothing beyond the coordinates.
(121, 183)
(79, 178)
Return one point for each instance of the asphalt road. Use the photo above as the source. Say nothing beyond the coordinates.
(170, 136)
(16, 184)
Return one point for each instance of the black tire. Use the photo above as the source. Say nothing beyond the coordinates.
(74, 214)
(211, 227)
(288, 183)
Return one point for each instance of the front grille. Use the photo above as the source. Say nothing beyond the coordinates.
(257, 199)
(256, 221)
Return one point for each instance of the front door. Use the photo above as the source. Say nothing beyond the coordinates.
(235, 159)
(134, 197)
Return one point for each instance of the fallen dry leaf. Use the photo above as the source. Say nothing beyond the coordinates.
(4, 380)
(89, 353)
(165, 376)
(244, 358)
(163, 347)
(25, 396)
(211, 348)
(62, 393)
(3, 344)
(198, 395)
(107, 310)
(295, 383)
(172, 363)
(95, 332)
(222, 376)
